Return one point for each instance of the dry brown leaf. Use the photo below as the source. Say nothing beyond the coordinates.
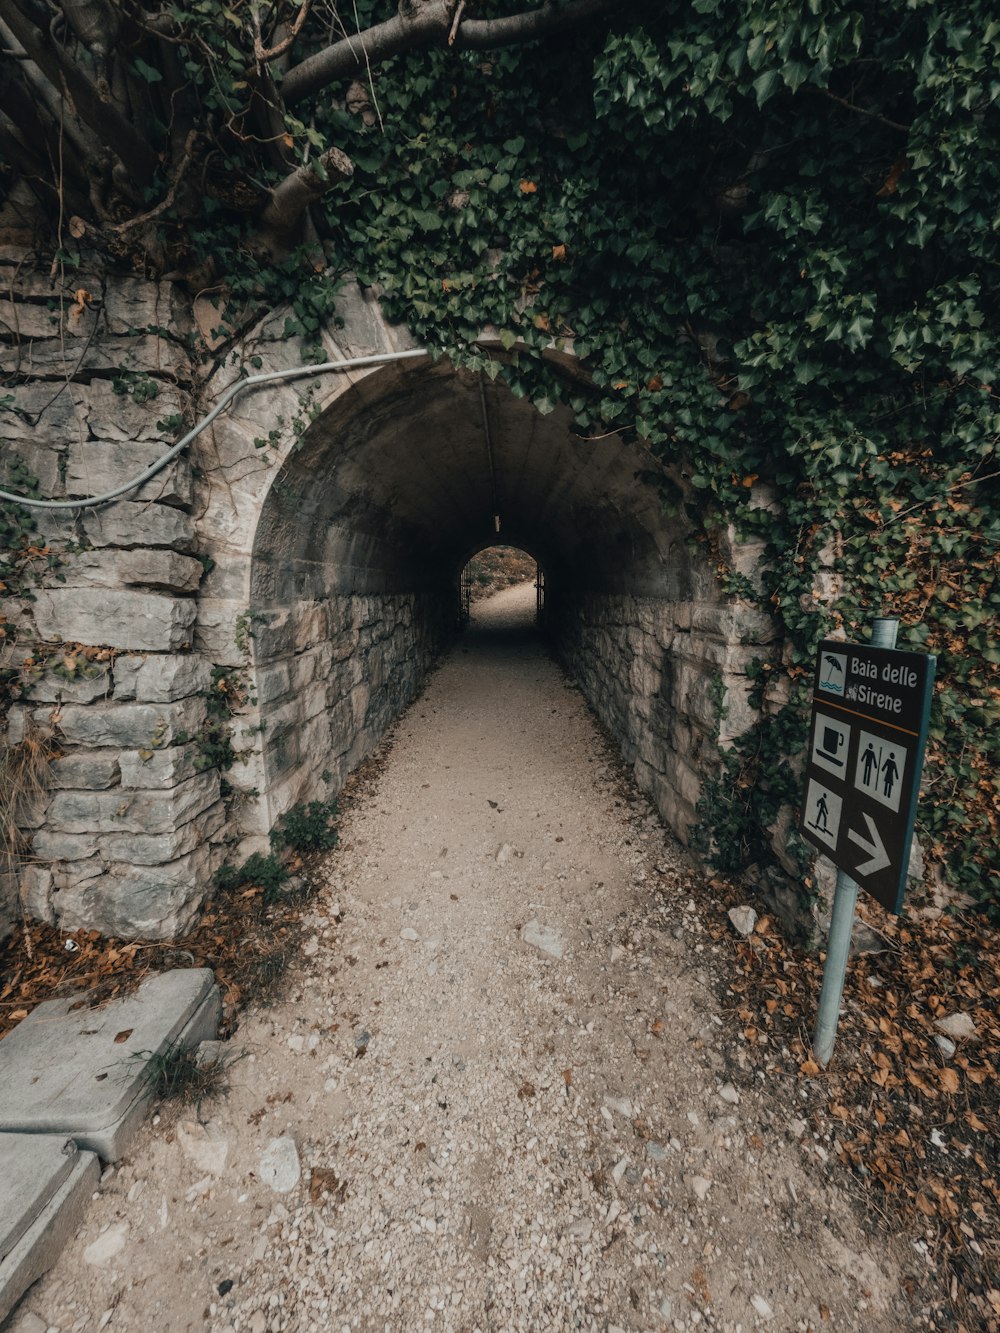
(948, 1079)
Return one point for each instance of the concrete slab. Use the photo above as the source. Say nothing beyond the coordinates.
(32, 1167)
(45, 1185)
(85, 1073)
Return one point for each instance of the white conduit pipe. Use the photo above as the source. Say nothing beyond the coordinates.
(271, 377)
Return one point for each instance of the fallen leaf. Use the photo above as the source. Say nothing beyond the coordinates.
(323, 1180)
(948, 1079)
(123, 1035)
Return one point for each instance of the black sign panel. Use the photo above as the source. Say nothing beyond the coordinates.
(866, 751)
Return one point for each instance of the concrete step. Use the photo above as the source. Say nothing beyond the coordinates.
(45, 1184)
(85, 1073)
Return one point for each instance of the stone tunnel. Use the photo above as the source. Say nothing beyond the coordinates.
(306, 553)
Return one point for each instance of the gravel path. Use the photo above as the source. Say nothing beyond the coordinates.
(515, 1100)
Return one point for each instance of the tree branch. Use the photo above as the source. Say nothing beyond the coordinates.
(303, 187)
(864, 111)
(484, 34)
(168, 200)
(263, 54)
(65, 74)
(97, 24)
(422, 25)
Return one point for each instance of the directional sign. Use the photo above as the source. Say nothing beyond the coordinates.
(866, 751)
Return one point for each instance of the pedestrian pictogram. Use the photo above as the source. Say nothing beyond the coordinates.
(822, 813)
(869, 727)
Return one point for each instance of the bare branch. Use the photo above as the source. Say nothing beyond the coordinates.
(168, 199)
(424, 24)
(263, 54)
(865, 111)
(453, 32)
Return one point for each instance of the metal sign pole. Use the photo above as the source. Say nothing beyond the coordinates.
(845, 898)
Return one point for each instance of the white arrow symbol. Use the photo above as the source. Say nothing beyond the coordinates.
(873, 845)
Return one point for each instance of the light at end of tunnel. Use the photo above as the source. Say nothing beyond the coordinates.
(496, 522)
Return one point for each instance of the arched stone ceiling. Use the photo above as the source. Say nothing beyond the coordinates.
(392, 488)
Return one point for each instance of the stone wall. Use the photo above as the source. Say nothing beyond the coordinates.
(301, 560)
(101, 374)
(331, 676)
(669, 680)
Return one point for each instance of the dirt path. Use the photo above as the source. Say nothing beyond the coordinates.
(509, 1140)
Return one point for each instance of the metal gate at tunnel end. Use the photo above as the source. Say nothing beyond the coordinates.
(465, 596)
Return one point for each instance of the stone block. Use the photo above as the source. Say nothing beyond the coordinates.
(217, 628)
(697, 693)
(29, 319)
(143, 355)
(49, 845)
(136, 304)
(130, 523)
(160, 568)
(39, 413)
(35, 891)
(133, 726)
(733, 623)
(153, 849)
(70, 875)
(96, 466)
(126, 669)
(117, 416)
(145, 902)
(48, 1183)
(57, 1060)
(159, 769)
(119, 619)
(273, 682)
(315, 665)
(163, 679)
(132, 811)
(9, 903)
(41, 459)
(738, 716)
(79, 688)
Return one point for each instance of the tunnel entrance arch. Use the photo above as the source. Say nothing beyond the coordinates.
(352, 580)
(494, 567)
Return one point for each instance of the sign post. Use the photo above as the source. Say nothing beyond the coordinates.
(866, 748)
